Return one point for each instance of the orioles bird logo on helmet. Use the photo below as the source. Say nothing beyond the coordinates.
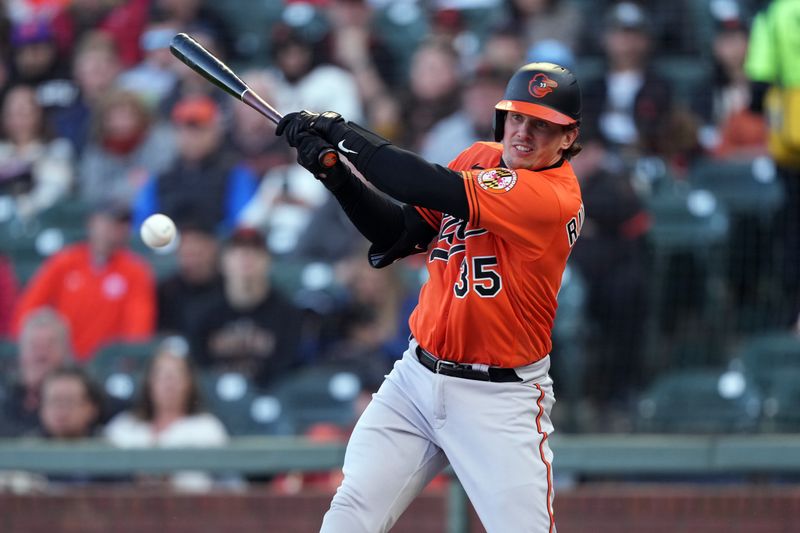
(540, 85)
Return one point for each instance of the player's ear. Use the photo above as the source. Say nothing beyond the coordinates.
(568, 138)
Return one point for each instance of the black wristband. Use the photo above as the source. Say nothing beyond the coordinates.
(354, 142)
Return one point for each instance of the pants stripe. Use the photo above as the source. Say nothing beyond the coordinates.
(544, 459)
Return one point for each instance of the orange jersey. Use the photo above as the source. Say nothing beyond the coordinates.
(493, 279)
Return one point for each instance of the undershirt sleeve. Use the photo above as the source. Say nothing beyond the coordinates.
(408, 178)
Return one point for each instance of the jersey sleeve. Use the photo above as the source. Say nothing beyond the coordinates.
(516, 205)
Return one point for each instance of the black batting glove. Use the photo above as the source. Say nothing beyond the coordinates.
(349, 139)
(293, 124)
(330, 125)
(309, 147)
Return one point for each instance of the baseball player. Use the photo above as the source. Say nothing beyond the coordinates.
(473, 389)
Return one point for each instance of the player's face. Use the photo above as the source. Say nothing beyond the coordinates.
(533, 143)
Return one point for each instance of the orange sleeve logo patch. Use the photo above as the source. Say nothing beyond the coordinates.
(497, 180)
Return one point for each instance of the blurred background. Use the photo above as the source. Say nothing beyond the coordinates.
(213, 383)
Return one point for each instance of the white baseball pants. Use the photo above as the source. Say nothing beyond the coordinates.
(494, 435)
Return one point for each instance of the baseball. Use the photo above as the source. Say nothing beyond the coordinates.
(157, 230)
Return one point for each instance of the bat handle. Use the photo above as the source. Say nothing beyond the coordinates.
(328, 158)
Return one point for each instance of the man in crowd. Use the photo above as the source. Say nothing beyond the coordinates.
(44, 346)
(251, 328)
(104, 291)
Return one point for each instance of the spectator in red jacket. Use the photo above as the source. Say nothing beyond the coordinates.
(105, 291)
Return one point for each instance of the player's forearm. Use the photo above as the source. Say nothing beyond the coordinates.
(410, 179)
(375, 217)
(403, 175)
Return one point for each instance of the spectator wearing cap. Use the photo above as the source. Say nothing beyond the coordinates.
(105, 292)
(206, 177)
(628, 107)
(127, 146)
(36, 169)
(474, 119)
(44, 346)
(252, 329)
(197, 280)
(37, 61)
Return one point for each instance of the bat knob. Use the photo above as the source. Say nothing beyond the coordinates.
(328, 158)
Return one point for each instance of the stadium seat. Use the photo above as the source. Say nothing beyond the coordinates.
(325, 393)
(686, 74)
(781, 400)
(244, 409)
(8, 357)
(570, 331)
(119, 367)
(688, 245)
(761, 355)
(249, 23)
(28, 244)
(747, 187)
(752, 195)
(69, 214)
(702, 401)
(402, 26)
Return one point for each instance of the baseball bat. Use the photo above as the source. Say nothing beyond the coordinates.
(193, 55)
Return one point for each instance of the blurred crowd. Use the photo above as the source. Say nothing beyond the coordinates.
(267, 277)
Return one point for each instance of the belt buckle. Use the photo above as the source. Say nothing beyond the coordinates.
(450, 365)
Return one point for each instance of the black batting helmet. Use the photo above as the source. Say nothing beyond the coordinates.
(543, 90)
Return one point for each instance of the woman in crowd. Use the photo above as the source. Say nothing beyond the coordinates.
(127, 145)
(169, 414)
(35, 170)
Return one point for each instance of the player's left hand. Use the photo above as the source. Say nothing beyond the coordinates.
(309, 148)
(293, 124)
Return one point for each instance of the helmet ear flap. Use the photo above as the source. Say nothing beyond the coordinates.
(498, 124)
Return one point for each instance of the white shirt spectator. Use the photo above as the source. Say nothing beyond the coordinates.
(196, 431)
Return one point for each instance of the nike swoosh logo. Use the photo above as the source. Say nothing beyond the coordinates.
(345, 150)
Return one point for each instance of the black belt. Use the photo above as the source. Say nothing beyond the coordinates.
(466, 370)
